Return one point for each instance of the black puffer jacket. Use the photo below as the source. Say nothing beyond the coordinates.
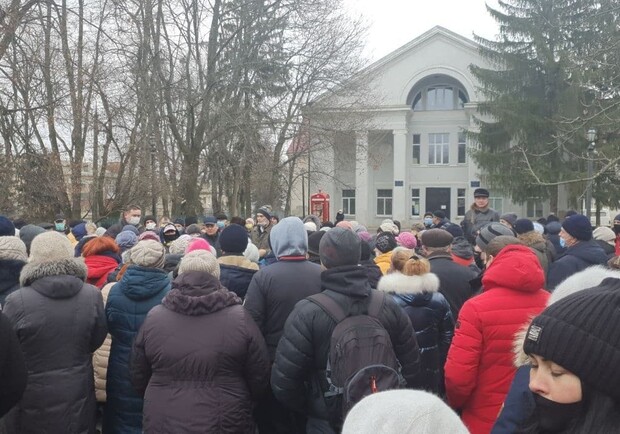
(12, 368)
(431, 318)
(9, 277)
(576, 258)
(60, 322)
(275, 290)
(206, 383)
(298, 375)
(453, 280)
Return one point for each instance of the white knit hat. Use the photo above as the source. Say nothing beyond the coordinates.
(148, 253)
(200, 260)
(178, 246)
(50, 246)
(12, 248)
(402, 412)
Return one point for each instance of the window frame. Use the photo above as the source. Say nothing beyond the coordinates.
(415, 198)
(348, 200)
(385, 199)
(444, 147)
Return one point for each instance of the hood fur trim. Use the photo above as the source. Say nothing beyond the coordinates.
(532, 238)
(588, 278)
(37, 270)
(399, 283)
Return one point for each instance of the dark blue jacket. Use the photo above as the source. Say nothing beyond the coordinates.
(431, 319)
(129, 301)
(576, 258)
(518, 405)
(9, 277)
(236, 273)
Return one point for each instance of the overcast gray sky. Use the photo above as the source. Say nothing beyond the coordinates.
(393, 23)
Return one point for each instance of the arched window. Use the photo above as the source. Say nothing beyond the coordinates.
(437, 92)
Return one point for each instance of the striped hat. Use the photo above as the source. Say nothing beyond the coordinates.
(490, 231)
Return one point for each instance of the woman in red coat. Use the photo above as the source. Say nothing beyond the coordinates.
(102, 256)
(479, 368)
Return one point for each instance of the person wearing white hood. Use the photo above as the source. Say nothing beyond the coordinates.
(271, 297)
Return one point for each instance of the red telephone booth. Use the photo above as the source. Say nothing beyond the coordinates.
(319, 205)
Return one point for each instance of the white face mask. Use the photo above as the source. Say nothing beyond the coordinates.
(135, 221)
(151, 226)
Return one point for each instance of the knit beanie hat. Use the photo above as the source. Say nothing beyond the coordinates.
(178, 246)
(490, 231)
(264, 211)
(385, 242)
(604, 233)
(365, 236)
(234, 239)
(461, 248)
(148, 235)
(436, 238)
(126, 240)
(340, 247)
(578, 226)
(200, 244)
(578, 329)
(314, 240)
(539, 227)
(403, 412)
(79, 231)
(7, 228)
(310, 226)
(389, 226)
(100, 231)
(27, 234)
(407, 239)
(523, 226)
(509, 217)
(148, 253)
(199, 260)
(12, 248)
(553, 228)
(50, 246)
(131, 228)
(192, 229)
(345, 225)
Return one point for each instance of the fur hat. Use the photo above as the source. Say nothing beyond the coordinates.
(100, 231)
(27, 234)
(50, 246)
(389, 227)
(572, 330)
(578, 226)
(522, 226)
(402, 411)
(310, 226)
(604, 233)
(490, 231)
(12, 248)
(251, 253)
(340, 247)
(407, 239)
(385, 242)
(199, 260)
(234, 239)
(7, 228)
(436, 238)
(148, 253)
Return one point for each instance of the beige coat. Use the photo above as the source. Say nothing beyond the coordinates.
(100, 357)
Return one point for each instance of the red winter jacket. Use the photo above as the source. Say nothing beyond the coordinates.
(479, 367)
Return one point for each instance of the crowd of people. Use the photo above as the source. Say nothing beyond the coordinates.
(498, 324)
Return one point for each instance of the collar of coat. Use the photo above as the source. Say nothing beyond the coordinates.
(198, 293)
(34, 271)
(399, 283)
(347, 279)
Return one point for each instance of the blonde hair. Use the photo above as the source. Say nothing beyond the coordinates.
(409, 263)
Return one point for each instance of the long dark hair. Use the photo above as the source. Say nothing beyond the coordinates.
(601, 414)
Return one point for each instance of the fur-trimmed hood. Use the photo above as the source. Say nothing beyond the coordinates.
(588, 278)
(533, 239)
(399, 283)
(237, 261)
(66, 267)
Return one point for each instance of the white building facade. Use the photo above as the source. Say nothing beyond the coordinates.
(414, 158)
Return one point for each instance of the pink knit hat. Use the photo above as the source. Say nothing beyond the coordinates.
(407, 239)
(200, 244)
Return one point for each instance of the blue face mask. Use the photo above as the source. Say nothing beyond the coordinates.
(562, 243)
(428, 221)
(59, 226)
(221, 224)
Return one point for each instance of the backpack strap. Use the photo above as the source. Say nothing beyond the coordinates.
(329, 305)
(333, 309)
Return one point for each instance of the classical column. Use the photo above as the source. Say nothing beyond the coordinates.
(361, 177)
(399, 195)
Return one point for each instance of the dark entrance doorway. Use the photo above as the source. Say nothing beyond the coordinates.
(438, 198)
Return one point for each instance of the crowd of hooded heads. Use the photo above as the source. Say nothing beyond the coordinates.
(500, 324)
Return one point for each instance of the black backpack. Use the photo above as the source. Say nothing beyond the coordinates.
(361, 358)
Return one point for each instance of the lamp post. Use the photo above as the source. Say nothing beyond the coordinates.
(591, 136)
